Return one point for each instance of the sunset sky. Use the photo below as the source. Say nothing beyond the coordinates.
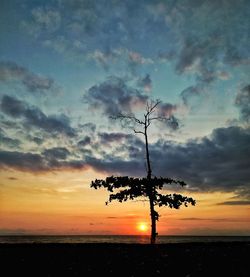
(67, 66)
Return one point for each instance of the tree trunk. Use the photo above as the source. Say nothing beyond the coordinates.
(153, 221)
(151, 193)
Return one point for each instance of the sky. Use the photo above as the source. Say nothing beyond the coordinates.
(67, 67)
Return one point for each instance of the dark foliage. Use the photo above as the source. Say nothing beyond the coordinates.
(130, 188)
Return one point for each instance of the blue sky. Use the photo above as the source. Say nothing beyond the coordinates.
(66, 66)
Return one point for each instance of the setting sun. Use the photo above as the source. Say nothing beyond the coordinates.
(143, 227)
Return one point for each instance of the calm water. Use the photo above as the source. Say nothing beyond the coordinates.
(119, 239)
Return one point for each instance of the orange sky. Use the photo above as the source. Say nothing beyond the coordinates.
(63, 203)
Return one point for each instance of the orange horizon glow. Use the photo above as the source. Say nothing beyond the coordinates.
(64, 203)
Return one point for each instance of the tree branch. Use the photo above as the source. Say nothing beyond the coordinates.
(139, 132)
(130, 117)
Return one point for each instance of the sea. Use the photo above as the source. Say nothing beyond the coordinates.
(118, 239)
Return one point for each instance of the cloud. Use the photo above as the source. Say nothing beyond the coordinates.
(60, 153)
(113, 165)
(242, 101)
(49, 160)
(10, 71)
(121, 55)
(190, 92)
(235, 203)
(44, 20)
(34, 117)
(145, 83)
(7, 141)
(148, 28)
(214, 219)
(135, 59)
(11, 232)
(106, 138)
(22, 161)
(84, 142)
(219, 162)
(223, 38)
(114, 96)
(37, 140)
(83, 31)
(165, 109)
(88, 127)
(13, 178)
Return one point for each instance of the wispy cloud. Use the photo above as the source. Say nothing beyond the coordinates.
(235, 203)
(10, 71)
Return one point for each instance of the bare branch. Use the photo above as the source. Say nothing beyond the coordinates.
(160, 118)
(152, 108)
(139, 132)
(130, 117)
(155, 105)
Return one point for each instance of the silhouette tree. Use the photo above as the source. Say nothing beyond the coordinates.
(130, 188)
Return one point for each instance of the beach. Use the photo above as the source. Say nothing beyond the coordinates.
(107, 259)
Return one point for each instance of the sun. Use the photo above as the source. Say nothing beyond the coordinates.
(142, 227)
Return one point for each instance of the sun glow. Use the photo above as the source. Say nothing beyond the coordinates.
(142, 227)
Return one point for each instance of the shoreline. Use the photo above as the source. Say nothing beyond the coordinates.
(128, 239)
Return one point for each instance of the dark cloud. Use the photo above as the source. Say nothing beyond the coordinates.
(114, 165)
(60, 153)
(145, 83)
(13, 178)
(165, 110)
(22, 161)
(50, 160)
(35, 83)
(106, 138)
(34, 117)
(37, 140)
(196, 56)
(216, 163)
(235, 203)
(189, 93)
(219, 162)
(8, 124)
(242, 101)
(90, 127)
(10, 71)
(84, 142)
(114, 96)
(7, 141)
(12, 106)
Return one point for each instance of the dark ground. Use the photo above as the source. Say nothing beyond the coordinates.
(187, 259)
